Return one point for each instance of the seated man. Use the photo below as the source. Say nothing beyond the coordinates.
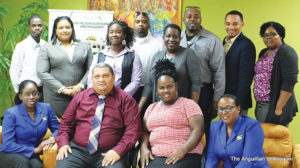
(103, 123)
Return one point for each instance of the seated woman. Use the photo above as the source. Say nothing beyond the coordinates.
(236, 140)
(173, 127)
(24, 126)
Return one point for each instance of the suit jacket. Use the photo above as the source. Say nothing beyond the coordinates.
(56, 70)
(21, 134)
(243, 149)
(240, 61)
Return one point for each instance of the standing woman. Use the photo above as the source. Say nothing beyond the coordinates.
(276, 74)
(186, 63)
(125, 62)
(63, 65)
(24, 126)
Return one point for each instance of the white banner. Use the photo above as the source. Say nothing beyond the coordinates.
(90, 26)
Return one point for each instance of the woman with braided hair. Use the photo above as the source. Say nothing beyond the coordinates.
(186, 64)
(173, 127)
(125, 62)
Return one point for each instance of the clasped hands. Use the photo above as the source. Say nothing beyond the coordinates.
(71, 90)
(173, 158)
(45, 145)
(110, 157)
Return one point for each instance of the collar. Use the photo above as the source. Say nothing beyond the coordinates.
(105, 51)
(24, 113)
(203, 33)
(72, 42)
(33, 42)
(231, 40)
(143, 39)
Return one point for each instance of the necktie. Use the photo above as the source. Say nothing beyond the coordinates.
(94, 134)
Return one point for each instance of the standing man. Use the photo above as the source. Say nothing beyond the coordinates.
(23, 63)
(209, 49)
(103, 123)
(146, 46)
(240, 61)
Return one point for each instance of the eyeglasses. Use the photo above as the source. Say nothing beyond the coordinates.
(137, 13)
(33, 94)
(272, 34)
(228, 109)
(188, 7)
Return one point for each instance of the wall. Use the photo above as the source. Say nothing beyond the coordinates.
(255, 13)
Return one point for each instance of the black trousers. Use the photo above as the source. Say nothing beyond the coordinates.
(137, 96)
(12, 160)
(189, 161)
(81, 158)
(205, 103)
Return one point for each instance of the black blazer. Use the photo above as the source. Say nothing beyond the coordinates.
(284, 76)
(240, 61)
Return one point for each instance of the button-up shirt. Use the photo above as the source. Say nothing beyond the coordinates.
(209, 49)
(116, 63)
(23, 63)
(228, 43)
(146, 48)
(120, 126)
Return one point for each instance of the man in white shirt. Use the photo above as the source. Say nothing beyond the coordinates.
(146, 46)
(23, 63)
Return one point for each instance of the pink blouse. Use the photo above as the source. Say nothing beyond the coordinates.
(169, 126)
(263, 70)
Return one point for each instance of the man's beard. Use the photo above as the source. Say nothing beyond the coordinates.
(141, 33)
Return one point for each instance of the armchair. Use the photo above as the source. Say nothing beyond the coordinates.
(279, 148)
(48, 157)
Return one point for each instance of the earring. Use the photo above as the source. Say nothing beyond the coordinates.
(124, 42)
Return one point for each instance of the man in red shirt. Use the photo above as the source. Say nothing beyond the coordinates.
(119, 125)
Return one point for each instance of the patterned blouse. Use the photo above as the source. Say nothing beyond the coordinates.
(263, 70)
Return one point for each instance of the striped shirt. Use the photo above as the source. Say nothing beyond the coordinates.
(169, 126)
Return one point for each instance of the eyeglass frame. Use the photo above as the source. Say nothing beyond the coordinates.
(271, 34)
(34, 94)
(221, 110)
(138, 13)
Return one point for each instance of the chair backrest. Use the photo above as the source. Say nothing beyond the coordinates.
(278, 145)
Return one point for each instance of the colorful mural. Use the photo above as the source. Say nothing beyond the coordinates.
(161, 12)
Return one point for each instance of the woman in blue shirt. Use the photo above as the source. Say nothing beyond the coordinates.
(236, 140)
(24, 126)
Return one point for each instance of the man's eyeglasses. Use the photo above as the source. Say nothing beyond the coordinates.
(228, 109)
(272, 34)
(137, 13)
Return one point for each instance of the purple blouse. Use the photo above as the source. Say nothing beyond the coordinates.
(263, 70)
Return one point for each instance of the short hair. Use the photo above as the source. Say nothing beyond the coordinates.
(103, 65)
(22, 85)
(277, 26)
(235, 12)
(233, 97)
(54, 36)
(194, 7)
(34, 16)
(128, 31)
(172, 26)
(165, 67)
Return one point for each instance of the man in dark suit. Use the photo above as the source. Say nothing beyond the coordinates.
(240, 60)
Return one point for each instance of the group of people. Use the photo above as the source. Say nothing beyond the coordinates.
(176, 86)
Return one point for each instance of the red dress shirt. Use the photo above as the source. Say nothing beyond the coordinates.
(121, 123)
